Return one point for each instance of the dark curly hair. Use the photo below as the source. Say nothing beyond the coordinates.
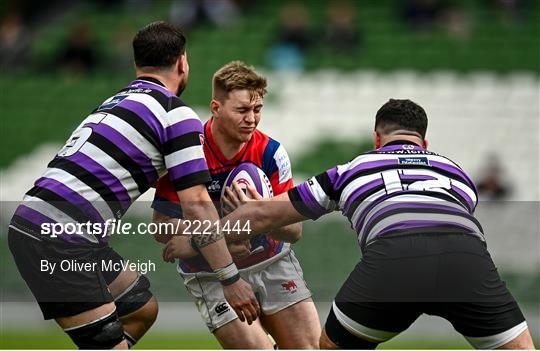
(158, 45)
(401, 115)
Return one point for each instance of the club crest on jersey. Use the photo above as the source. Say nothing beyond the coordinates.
(214, 186)
(289, 286)
(414, 161)
(113, 102)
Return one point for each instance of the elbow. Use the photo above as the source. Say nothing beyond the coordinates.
(295, 233)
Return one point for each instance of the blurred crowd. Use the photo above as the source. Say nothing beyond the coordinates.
(295, 33)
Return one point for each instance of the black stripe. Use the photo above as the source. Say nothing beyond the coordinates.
(26, 226)
(192, 179)
(326, 184)
(181, 142)
(122, 158)
(91, 180)
(60, 203)
(361, 197)
(137, 123)
(370, 171)
(418, 210)
(299, 205)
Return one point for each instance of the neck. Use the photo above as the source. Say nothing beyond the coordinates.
(412, 138)
(229, 147)
(170, 83)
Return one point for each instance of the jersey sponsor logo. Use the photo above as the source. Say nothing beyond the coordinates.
(113, 102)
(283, 164)
(214, 186)
(289, 286)
(222, 308)
(414, 161)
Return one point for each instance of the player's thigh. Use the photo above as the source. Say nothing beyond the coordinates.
(295, 327)
(522, 342)
(476, 301)
(240, 335)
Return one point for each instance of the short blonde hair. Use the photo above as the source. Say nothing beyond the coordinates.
(236, 75)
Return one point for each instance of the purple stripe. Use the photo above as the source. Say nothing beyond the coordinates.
(333, 175)
(364, 188)
(401, 147)
(416, 177)
(187, 168)
(146, 115)
(127, 146)
(464, 195)
(183, 127)
(71, 196)
(361, 167)
(405, 206)
(420, 224)
(454, 170)
(104, 175)
(309, 200)
(141, 83)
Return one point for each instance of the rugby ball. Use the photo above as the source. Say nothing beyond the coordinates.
(248, 174)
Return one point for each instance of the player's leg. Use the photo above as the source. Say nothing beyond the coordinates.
(239, 335)
(137, 308)
(477, 301)
(289, 314)
(221, 319)
(77, 299)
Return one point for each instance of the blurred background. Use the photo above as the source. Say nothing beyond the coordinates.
(473, 65)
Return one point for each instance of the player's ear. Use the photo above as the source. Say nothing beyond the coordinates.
(182, 64)
(376, 140)
(425, 143)
(214, 107)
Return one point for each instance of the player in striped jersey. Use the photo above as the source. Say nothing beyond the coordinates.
(268, 263)
(422, 249)
(117, 153)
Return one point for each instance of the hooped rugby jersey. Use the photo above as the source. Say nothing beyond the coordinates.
(398, 189)
(261, 150)
(117, 153)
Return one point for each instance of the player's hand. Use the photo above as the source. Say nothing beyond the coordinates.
(234, 197)
(239, 249)
(241, 298)
(178, 247)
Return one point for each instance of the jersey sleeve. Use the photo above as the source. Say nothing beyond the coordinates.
(166, 199)
(183, 149)
(314, 197)
(277, 164)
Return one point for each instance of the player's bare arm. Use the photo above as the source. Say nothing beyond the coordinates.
(290, 233)
(263, 215)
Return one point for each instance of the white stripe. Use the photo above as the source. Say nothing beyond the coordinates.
(319, 194)
(359, 330)
(185, 155)
(369, 158)
(367, 202)
(82, 189)
(110, 164)
(91, 322)
(55, 214)
(409, 216)
(24, 233)
(466, 189)
(495, 341)
(392, 182)
(180, 114)
(354, 185)
(153, 105)
(135, 138)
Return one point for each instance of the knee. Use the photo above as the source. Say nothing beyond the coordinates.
(325, 343)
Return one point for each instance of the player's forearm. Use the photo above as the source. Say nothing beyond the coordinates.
(290, 233)
(212, 246)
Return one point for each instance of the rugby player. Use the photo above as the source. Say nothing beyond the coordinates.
(116, 154)
(423, 251)
(266, 262)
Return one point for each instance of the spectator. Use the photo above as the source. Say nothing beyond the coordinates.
(491, 185)
(79, 56)
(456, 23)
(14, 41)
(293, 38)
(422, 15)
(341, 33)
(188, 14)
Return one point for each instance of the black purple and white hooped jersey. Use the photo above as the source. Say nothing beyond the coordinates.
(400, 188)
(116, 154)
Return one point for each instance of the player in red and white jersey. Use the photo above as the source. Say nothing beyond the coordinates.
(266, 262)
